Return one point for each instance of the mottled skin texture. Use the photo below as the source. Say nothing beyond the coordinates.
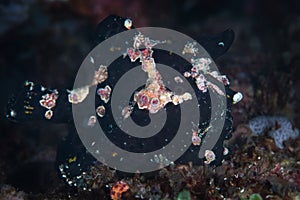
(73, 159)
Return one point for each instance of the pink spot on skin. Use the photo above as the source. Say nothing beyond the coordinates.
(49, 114)
(50, 103)
(143, 100)
(225, 151)
(154, 101)
(133, 54)
(196, 140)
(92, 120)
(49, 100)
(225, 80)
(155, 105)
(74, 97)
(147, 53)
(209, 156)
(104, 93)
(100, 111)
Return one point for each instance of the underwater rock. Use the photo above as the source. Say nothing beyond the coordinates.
(278, 127)
(11, 193)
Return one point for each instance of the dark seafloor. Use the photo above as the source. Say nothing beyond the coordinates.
(47, 40)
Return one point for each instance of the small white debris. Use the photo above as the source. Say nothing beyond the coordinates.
(42, 88)
(92, 60)
(128, 23)
(13, 113)
(29, 83)
(237, 97)
(221, 44)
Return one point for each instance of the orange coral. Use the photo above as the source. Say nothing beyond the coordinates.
(118, 189)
